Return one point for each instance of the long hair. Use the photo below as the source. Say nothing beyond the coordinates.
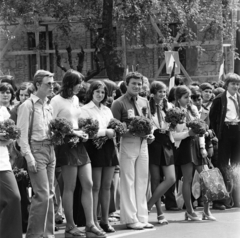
(70, 79)
(94, 86)
(179, 92)
(6, 86)
(111, 86)
(154, 88)
(25, 85)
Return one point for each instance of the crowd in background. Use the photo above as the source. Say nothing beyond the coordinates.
(160, 161)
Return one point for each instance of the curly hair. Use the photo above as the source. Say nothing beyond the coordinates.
(133, 75)
(94, 86)
(5, 87)
(70, 79)
(155, 87)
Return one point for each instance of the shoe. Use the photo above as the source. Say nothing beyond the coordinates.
(191, 217)
(162, 220)
(174, 209)
(93, 231)
(208, 217)
(74, 232)
(218, 206)
(135, 226)
(147, 225)
(107, 227)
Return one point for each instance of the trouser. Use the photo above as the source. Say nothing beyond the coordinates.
(10, 206)
(41, 216)
(134, 180)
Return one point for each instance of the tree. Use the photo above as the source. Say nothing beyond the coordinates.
(131, 17)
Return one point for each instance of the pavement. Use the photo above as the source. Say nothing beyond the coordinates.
(226, 226)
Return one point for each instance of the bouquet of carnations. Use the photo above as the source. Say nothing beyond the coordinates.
(11, 131)
(198, 126)
(119, 128)
(20, 174)
(140, 126)
(174, 116)
(58, 129)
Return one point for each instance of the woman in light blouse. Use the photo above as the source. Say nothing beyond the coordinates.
(191, 152)
(105, 159)
(161, 149)
(74, 161)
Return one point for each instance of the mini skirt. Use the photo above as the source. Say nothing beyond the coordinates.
(161, 150)
(189, 152)
(104, 157)
(66, 154)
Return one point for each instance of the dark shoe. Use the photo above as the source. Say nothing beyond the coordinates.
(174, 209)
(218, 206)
(107, 227)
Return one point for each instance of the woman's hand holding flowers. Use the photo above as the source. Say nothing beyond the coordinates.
(110, 133)
(81, 134)
(150, 138)
(203, 152)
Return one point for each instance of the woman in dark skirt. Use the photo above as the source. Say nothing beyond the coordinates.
(160, 150)
(191, 152)
(74, 161)
(104, 159)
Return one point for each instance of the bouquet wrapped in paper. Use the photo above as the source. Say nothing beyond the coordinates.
(11, 131)
(198, 126)
(58, 129)
(175, 116)
(119, 128)
(140, 126)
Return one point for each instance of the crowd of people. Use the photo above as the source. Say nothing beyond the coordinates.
(160, 160)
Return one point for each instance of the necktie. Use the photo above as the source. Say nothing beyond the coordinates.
(236, 105)
(159, 115)
(135, 106)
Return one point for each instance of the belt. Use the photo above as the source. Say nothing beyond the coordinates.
(43, 142)
(231, 123)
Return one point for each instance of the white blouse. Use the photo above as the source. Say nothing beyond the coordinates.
(182, 131)
(4, 158)
(103, 114)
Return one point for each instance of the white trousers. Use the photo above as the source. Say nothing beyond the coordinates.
(134, 180)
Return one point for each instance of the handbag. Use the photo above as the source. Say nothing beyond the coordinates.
(179, 197)
(212, 185)
(16, 156)
(196, 190)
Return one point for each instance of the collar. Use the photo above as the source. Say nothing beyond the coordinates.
(36, 99)
(91, 104)
(234, 96)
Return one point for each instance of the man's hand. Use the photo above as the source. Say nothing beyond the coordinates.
(32, 166)
(110, 133)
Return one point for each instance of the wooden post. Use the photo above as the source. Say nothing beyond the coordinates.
(47, 48)
(160, 69)
(36, 23)
(124, 56)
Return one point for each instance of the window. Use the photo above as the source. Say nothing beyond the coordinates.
(32, 59)
(103, 73)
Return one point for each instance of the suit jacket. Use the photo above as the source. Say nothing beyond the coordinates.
(218, 113)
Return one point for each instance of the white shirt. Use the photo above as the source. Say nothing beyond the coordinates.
(231, 114)
(4, 155)
(103, 114)
(67, 108)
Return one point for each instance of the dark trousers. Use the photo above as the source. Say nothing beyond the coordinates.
(10, 206)
(229, 149)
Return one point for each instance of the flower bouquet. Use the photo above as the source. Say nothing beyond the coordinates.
(198, 126)
(119, 128)
(89, 126)
(20, 174)
(140, 126)
(59, 128)
(11, 131)
(174, 116)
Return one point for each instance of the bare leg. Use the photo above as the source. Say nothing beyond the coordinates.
(69, 175)
(107, 176)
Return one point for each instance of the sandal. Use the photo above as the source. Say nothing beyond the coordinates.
(162, 220)
(74, 232)
(93, 231)
(107, 227)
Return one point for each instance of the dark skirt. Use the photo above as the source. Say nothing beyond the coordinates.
(189, 152)
(104, 157)
(161, 150)
(74, 156)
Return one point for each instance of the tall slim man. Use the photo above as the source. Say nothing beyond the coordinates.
(225, 121)
(133, 157)
(39, 154)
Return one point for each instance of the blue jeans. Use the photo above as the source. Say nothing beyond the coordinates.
(41, 222)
